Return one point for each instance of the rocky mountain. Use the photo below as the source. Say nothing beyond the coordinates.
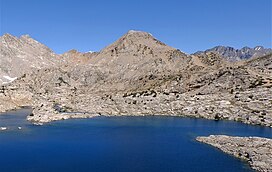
(137, 55)
(23, 55)
(232, 54)
(139, 75)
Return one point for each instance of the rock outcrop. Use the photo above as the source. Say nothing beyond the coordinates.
(255, 150)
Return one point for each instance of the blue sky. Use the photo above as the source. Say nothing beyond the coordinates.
(189, 25)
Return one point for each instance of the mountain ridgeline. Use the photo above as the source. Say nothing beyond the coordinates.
(136, 75)
(232, 54)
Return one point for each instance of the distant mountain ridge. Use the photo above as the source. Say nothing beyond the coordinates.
(133, 51)
(232, 54)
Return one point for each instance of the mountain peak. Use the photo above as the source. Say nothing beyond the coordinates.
(137, 32)
(134, 35)
(8, 36)
(25, 36)
(258, 48)
(133, 41)
(20, 55)
(133, 31)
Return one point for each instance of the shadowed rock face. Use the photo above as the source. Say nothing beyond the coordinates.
(139, 75)
(255, 150)
(232, 54)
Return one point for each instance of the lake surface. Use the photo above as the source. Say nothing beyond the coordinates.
(118, 144)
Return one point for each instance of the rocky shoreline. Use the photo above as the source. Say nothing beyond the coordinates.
(60, 116)
(256, 151)
(224, 106)
(255, 109)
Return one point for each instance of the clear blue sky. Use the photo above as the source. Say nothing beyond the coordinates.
(189, 25)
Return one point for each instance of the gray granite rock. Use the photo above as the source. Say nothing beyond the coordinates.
(256, 151)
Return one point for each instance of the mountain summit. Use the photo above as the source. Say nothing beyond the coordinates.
(133, 47)
(135, 41)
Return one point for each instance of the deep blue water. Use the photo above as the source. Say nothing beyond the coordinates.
(118, 144)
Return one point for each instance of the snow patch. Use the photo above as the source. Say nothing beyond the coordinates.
(3, 128)
(10, 78)
(258, 48)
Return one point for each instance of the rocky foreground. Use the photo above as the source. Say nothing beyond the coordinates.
(255, 150)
